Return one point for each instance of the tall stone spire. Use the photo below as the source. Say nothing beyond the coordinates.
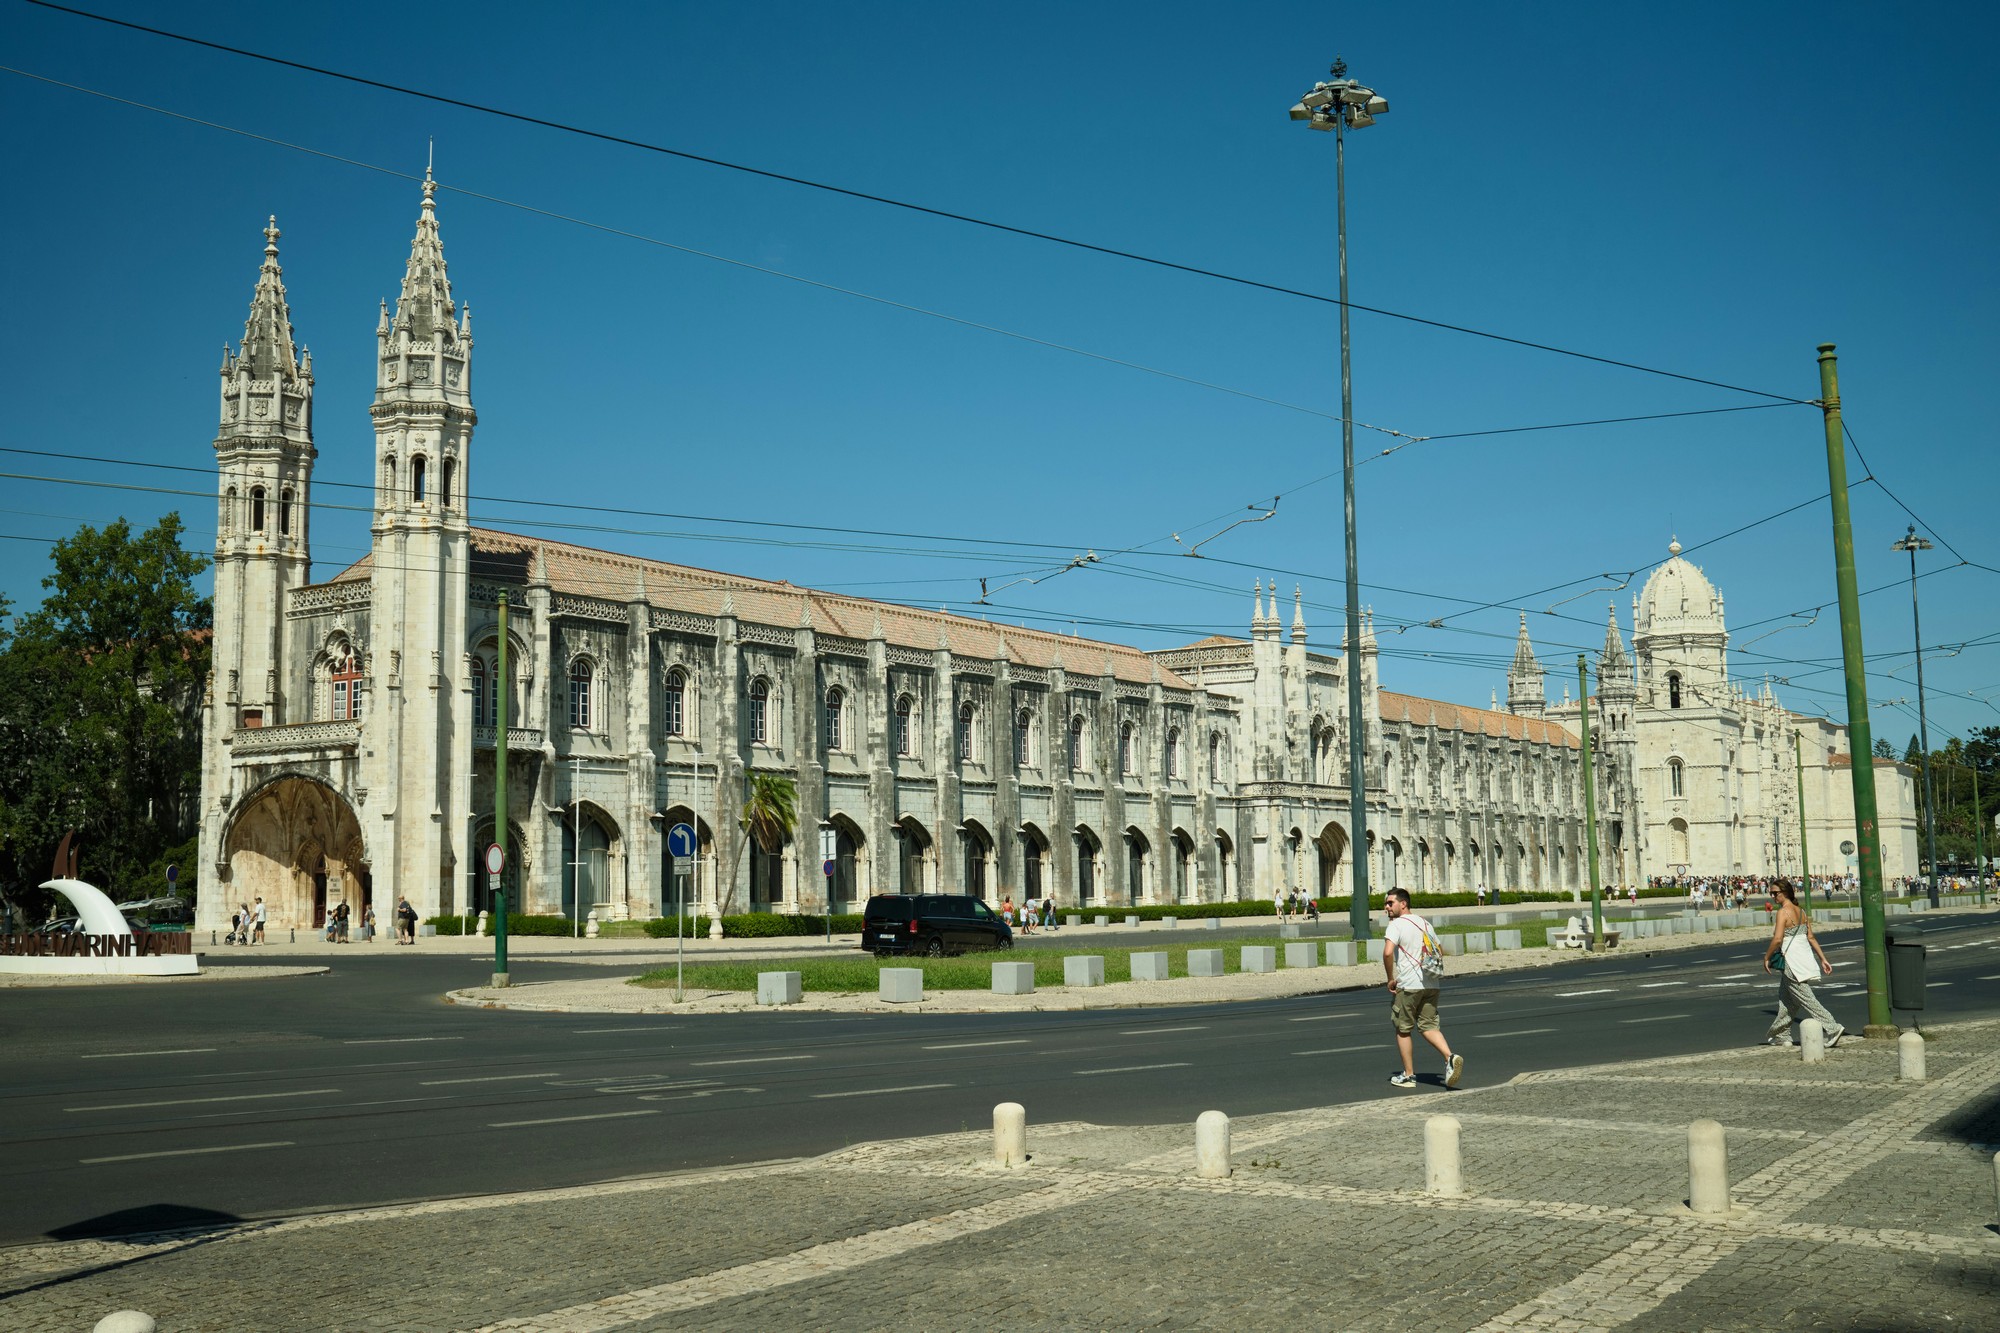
(268, 349)
(1613, 657)
(425, 306)
(1525, 693)
(1298, 614)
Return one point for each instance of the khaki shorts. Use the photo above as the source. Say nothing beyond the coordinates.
(1414, 1011)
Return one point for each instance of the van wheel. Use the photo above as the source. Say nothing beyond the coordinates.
(935, 949)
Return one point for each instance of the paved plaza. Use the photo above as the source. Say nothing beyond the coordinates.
(1861, 1202)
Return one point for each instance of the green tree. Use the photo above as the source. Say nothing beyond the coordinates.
(1884, 750)
(770, 812)
(100, 708)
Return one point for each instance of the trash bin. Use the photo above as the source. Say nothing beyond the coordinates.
(1906, 966)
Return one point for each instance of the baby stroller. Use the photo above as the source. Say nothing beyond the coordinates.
(237, 933)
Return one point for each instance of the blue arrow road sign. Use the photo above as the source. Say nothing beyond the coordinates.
(680, 840)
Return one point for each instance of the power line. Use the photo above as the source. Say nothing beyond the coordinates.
(887, 201)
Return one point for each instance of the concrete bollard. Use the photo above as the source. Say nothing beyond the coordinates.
(1013, 978)
(1291, 930)
(1506, 939)
(126, 1321)
(1812, 1041)
(779, 988)
(1303, 953)
(1083, 970)
(484, 925)
(1211, 923)
(1910, 1057)
(1072, 919)
(1010, 1134)
(1204, 962)
(1100, 920)
(1258, 958)
(1211, 1146)
(1708, 1168)
(1170, 921)
(1441, 1165)
(1452, 944)
(900, 985)
(1132, 920)
(1150, 965)
(1479, 941)
(1340, 953)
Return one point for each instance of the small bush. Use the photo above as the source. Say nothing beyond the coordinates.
(517, 924)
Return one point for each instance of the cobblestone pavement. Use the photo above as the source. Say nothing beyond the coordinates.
(1860, 1203)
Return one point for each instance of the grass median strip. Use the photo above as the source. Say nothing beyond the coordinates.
(860, 974)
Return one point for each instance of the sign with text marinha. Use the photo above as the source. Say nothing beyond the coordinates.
(139, 944)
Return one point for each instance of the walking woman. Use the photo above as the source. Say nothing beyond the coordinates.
(1801, 962)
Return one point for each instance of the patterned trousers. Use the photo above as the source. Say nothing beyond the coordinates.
(1796, 1003)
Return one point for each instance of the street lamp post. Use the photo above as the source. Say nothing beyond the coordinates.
(1912, 543)
(1342, 104)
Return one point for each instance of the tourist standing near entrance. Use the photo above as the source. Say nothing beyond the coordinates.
(406, 922)
(1796, 948)
(258, 914)
(1414, 963)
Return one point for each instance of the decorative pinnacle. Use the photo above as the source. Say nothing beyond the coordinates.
(271, 235)
(1674, 546)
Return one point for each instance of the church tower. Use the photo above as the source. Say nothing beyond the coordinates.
(1526, 694)
(418, 726)
(264, 460)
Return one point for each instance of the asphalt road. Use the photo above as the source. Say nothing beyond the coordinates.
(136, 1108)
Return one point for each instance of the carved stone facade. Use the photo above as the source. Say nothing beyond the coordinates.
(349, 738)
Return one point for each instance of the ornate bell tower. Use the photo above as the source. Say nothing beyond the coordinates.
(264, 459)
(1526, 693)
(418, 734)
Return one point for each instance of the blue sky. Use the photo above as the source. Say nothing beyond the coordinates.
(1712, 190)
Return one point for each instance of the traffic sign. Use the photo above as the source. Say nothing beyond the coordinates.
(828, 869)
(683, 865)
(173, 873)
(680, 840)
(827, 843)
(496, 860)
(1847, 849)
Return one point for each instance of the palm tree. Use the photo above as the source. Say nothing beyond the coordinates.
(770, 812)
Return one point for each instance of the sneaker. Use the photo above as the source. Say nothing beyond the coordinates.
(1778, 1041)
(1454, 1069)
(1402, 1081)
(1833, 1037)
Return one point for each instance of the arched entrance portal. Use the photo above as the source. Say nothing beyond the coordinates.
(845, 887)
(913, 856)
(589, 847)
(1331, 845)
(297, 845)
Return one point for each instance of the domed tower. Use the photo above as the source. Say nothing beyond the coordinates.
(1526, 694)
(1680, 638)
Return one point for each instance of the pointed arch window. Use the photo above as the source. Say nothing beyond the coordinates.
(905, 737)
(285, 512)
(582, 687)
(836, 718)
(1173, 754)
(1673, 689)
(1215, 757)
(1125, 749)
(1023, 752)
(343, 670)
(673, 704)
(1076, 744)
(450, 481)
(257, 510)
(229, 510)
(1676, 778)
(760, 711)
(417, 477)
(965, 733)
(481, 716)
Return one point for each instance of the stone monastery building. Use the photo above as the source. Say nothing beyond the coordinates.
(348, 748)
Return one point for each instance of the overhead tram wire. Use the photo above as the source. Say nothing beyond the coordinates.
(890, 202)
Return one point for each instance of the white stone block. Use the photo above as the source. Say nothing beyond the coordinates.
(1341, 953)
(1259, 958)
(1013, 978)
(1083, 970)
(1479, 941)
(1150, 965)
(1452, 945)
(1502, 918)
(1204, 962)
(1211, 923)
(1170, 921)
(1291, 930)
(1101, 920)
(901, 985)
(781, 987)
(1073, 919)
(1131, 920)
(1506, 939)
(1303, 953)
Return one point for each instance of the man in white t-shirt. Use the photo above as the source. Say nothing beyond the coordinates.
(259, 915)
(1414, 990)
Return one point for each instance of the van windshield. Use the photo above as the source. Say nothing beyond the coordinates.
(981, 910)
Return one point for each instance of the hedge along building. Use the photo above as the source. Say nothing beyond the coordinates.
(349, 733)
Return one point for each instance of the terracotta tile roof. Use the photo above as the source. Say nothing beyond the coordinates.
(1845, 760)
(585, 572)
(1478, 721)
(1212, 641)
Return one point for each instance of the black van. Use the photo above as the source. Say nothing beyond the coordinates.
(933, 924)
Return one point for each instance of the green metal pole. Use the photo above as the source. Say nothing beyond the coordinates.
(1357, 723)
(1860, 744)
(1589, 803)
(1805, 854)
(1978, 836)
(500, 691)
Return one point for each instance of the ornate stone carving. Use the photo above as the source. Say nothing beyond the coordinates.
(322, 597)
(683, 622)
(770, 634)
(588, 608)
(300, 736)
